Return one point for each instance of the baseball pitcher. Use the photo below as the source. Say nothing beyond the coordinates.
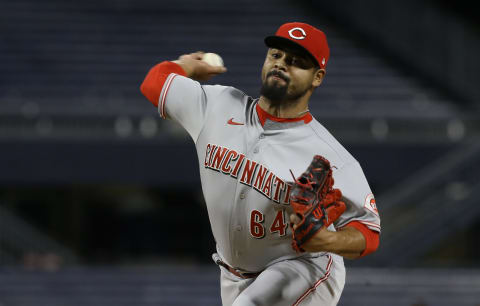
(285, 199)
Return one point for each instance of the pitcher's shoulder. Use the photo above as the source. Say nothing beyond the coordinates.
(231, 91)
(326, 138)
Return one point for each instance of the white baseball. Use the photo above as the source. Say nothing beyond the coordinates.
(212, 59)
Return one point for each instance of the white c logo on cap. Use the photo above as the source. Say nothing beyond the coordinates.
(297, 37)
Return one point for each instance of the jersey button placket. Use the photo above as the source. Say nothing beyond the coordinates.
(237, 227)
(257, 148)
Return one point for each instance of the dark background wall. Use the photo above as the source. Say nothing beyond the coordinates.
(85, 159)
(435, 39)
(100, 199)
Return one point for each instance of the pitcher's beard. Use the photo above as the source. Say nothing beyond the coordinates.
(278, 95)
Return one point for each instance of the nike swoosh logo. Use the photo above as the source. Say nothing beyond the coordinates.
(233, 122)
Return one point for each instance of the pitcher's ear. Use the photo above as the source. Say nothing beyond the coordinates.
(318, 78)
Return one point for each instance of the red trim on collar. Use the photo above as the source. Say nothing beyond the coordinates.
(263, 116)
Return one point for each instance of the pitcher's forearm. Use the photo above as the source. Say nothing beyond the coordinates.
(347, 242)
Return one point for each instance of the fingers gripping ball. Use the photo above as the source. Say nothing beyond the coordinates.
(315, 201)
(212, 59)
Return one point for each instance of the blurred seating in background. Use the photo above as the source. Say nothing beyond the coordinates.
(179, 285)
(72, 70)
(73, 123)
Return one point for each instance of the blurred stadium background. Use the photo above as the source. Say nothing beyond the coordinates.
(89, 175)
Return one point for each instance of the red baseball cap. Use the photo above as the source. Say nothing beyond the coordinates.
(305, 36)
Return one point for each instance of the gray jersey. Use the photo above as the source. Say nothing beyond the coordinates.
(244, 169)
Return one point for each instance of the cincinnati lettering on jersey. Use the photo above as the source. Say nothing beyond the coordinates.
(248, 172)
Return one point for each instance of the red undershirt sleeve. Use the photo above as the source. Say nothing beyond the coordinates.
(153, 83)
(372, 238)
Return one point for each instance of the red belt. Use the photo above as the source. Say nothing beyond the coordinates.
(244, 275)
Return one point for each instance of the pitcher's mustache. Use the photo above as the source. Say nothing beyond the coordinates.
(279, 74)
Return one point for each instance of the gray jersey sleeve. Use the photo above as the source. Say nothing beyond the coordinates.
(186, 101)
(357, 195)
